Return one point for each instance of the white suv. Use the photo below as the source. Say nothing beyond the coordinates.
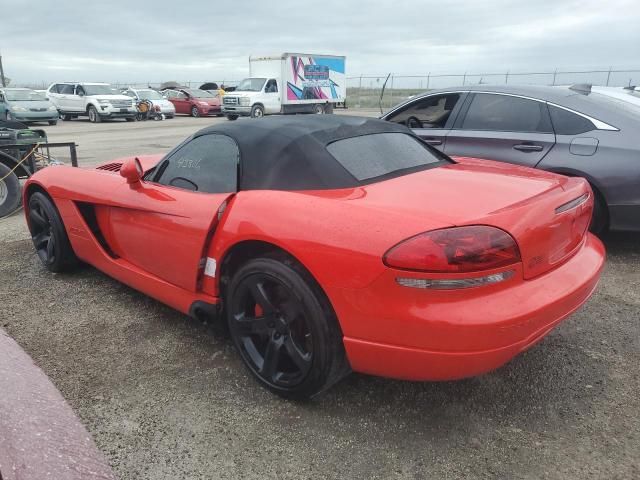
(98, 101)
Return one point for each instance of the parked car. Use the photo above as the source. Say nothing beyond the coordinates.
(627, 94)
(98, 101)
(194, 102)
(568, 130)
(155, 97)
(26, 105)
(335, 243)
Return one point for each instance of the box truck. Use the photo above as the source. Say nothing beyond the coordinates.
(288, 83)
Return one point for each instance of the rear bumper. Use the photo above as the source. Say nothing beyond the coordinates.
(462, 334)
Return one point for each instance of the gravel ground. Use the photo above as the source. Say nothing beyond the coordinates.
(166, 399)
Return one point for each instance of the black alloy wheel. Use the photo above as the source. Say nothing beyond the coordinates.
(286, 335)
(48, 234)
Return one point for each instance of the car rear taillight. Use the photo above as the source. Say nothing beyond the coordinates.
(468, 249)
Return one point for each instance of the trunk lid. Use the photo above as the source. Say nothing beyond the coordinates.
(533, 206)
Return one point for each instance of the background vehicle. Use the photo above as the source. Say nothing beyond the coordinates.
(333, 242)
(193, 102)
(23, 151)
(568, 130)
(98, 101)
(156, 99)
(289, 83)
(26, 105)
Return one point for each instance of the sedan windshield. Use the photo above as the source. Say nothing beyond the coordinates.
(251, 85)
(199, 94)
(24, 96)
(99, 90)
(149, 95)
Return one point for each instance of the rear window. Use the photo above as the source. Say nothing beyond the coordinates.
(568, 123)
(380, 154)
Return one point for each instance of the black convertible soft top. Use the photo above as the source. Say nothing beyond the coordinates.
(289, 152)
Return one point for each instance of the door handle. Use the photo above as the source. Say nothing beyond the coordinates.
(432, 141)
(527, 147)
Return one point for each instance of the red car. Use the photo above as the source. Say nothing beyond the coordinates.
(194, 102)
(332, 243)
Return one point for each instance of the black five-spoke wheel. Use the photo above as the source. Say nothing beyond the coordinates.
(270, 323)
(285, 332)
(48, 234)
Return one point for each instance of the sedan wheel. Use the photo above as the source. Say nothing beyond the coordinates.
(48, 234)
(283, 328)
(195, 112)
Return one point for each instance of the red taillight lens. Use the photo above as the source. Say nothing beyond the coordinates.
(455, 250)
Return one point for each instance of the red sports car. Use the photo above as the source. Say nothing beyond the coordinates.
(194, 102)
(330, 244)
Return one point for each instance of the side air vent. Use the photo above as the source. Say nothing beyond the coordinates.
(110, 167)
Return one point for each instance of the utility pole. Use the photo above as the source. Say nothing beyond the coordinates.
(2, 72)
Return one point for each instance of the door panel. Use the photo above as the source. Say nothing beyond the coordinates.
(520, 148)
(436, 137)
(502, 127)
(161, 229)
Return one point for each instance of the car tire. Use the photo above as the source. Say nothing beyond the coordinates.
(195, 112)
(49, 236)
(10, 191)
(8, 116)
(53, 122)
(284, 328)
(318, 109)
(66, 117)
(600, 218)
(232, 117)
(130, 119)
(257, 111)
(94, 116)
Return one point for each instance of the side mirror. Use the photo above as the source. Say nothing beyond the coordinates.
(132, 170)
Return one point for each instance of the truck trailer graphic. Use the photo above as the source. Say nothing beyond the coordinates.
(316, 78)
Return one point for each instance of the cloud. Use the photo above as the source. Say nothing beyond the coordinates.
(151, 41)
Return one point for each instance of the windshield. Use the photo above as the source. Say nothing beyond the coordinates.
(149, 95)
(98, 90)
(251, 85)
(199, 94)
(24, 96)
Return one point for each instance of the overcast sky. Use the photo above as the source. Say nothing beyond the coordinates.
(140, 41)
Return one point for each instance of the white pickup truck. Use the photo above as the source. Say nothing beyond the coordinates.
(288, 83)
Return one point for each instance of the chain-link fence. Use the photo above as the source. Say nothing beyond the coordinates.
(364, 91)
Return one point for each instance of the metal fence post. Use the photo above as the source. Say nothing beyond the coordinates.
(360, 92)
(428, 79)
(506, 78)
(391, 95)
(464, 78)
(555, 72)
(608, 76)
